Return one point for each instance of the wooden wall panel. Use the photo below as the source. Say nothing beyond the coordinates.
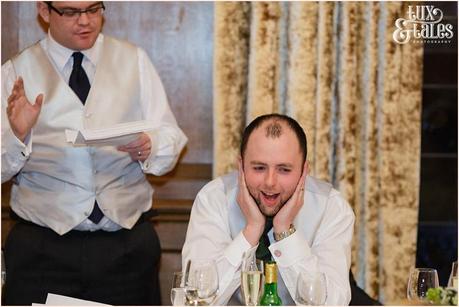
(10, 37)
(171, 235)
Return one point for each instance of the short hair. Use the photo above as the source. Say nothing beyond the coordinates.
(275, 131)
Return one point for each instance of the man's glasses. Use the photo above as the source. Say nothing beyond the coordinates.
(93, 11)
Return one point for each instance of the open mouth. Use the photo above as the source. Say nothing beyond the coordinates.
(84, 34)
(270, 198)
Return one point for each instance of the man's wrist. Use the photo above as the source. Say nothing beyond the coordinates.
(285, 233)
(252, 233)
(21, 136)
(280, 226)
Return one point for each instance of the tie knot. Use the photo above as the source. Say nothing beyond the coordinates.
(77, 59)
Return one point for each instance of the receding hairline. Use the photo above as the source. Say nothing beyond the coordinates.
(273, 128)
(263, 121)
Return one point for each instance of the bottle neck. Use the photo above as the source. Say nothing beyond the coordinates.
(271, 287)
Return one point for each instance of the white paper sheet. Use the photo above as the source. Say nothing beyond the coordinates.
(117, 135)
(61, 300)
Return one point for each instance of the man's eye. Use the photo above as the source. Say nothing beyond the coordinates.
(69, 13)
(258, 168)
(285, 170)
(93, 10)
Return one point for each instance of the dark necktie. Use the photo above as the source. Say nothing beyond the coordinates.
(263, 252)
(79, 83)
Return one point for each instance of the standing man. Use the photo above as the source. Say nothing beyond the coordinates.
(272, 208)
(82, 212)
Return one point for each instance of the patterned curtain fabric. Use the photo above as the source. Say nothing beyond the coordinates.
(336, 69)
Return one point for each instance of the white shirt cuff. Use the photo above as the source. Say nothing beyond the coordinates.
(16, 147)
(290, 250)
(237, 248)
(146, 165)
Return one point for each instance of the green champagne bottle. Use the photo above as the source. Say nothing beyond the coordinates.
(270, 296)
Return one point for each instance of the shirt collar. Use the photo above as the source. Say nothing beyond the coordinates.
(61, 55)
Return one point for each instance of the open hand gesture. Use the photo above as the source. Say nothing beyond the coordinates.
(22, 115)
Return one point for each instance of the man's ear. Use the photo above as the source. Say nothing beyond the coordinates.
(240, 162)
(306, 167)
(43, 11)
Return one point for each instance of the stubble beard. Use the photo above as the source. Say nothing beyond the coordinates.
(263, 208)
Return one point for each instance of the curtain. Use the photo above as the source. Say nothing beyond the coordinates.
(335, 68)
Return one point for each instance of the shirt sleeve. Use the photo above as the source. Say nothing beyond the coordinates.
(167, 138)
(208, 236)
(329, 252)
(14, 152)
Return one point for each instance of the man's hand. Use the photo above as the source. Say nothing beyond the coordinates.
(255, 219)
(140, 149)
(22, 115)
(287, 214)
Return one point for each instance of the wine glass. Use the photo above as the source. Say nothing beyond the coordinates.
(252, 280)
(452, 281)
(311, 288)
(420, 280)
(201, 285)
(178, 290)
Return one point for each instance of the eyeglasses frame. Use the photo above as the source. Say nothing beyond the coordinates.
(77, 12)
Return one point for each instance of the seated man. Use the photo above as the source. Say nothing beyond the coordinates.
(271, 207)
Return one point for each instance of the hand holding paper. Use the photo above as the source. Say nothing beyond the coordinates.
(117, 135)
(139, 149)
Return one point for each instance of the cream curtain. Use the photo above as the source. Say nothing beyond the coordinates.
(335, 68)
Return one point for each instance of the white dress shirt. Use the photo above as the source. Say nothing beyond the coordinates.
(167, 139)
(322, 241)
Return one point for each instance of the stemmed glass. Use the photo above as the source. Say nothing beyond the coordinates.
(420, 280)
(201, 285)
(252, 280)
(178, 289)
(311, 288)
(452, 281)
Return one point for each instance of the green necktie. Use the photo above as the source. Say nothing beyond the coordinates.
(263, 252)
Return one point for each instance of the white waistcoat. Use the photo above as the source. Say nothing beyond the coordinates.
(59, 183)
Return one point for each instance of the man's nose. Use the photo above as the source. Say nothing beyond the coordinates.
(83, 18)
(271, 178)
